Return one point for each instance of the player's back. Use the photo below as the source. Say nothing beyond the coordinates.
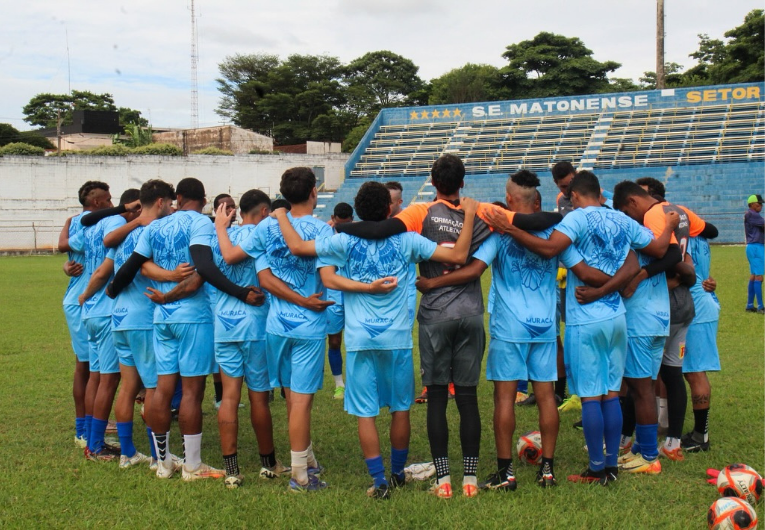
(98, 305)
(648, 308)
(706, 305)
(132, 309)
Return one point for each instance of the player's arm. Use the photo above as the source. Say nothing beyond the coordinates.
(118, 235)
(93, 217)
(184, 289)
(332, 280)
(373, 229)
(63, 237)
(630, 267)
(590, 275)
(278, 288)
(672, 257)
(460, 253)
(470, 272)
(154, 272)
(686, 272)
(297, 246)
(203, 259)
(125, 275)
(231, 254)
(72, 268)
(99, 278)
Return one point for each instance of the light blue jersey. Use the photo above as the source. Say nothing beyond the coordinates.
(648, 308)
(167, 242)
(376, 322)
(267, 246)
(524, 290)
(603, 237)
(236, 321)
(707, 305)
(77, 284)
(98, 305)
(132, 309)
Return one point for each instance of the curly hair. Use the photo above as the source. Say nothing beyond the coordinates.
(372, 202)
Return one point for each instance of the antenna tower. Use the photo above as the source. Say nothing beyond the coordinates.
(194, 62)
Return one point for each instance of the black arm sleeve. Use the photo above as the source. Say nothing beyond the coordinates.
(125, 275)
(669, 260)
(373, 229)
(203, 261)
(536, 221)
(710, 231)
(93, 217)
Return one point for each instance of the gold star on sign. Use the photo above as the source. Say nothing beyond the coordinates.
(446, 113)
(413, 115)
(436, 114)
(457, 112)
(424, 115)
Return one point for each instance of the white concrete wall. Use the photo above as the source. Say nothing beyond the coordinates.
(39, 193)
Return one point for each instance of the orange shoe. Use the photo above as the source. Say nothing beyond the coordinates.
(451, 390)
(422, 398)
(442, 491)
(675, 454)
(469, 490)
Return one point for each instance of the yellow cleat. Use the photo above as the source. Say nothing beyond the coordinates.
(641, 465)
(572, 403)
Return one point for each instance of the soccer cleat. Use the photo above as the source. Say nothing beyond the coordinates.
(469, 490)
(80, 441)
(578, 425)
(174, 465)
(315, 471)
(398, 481)
(419, 471)
(529, 401)
(233, 481)
(750, 309)
(521, 396)
(627, 457)
(761, 311)
(202, 472)
(442, 491)
(612, 474)
(275, 471)
(137, 458)
(422, 398)
(572, 403)
(451, 393)
(497, 483)
(546, 480)
(675, 454)
(589, 476)
(380, 492)
(626, 448)
(641, 465)
(339, 393)
(690, 445)
(314, 484)
(106, 454)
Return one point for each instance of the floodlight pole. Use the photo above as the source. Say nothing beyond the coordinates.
(659, 43)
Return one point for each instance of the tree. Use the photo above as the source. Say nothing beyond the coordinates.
(137, 136)
(43, 109)
(673, 77)
(554, 65)
(469, 83)
(9, 134)
(389, 77)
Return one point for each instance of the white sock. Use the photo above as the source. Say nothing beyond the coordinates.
(625, 440)
(663, 414)
(338, 381)
(300, 466)
(446, 479)
(671, 443)
(192, 448)
(311, 458)
(470, 479)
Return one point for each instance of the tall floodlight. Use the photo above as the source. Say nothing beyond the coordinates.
(194, 62)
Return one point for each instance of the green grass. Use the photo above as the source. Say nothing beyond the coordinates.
(47, 482)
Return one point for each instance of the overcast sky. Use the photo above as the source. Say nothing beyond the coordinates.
(140, 51)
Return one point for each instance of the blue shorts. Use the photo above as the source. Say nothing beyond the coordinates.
(185, 349)
(102, 355)
(595, 355)
(297, 364)
(644, 357)
(519, 361)
(756, 257)
(245, 359)
(376, 379)
(77, 332)
(701, 353)
(135, 347)
(335, 319)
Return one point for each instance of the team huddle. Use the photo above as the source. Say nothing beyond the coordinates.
(159, 294)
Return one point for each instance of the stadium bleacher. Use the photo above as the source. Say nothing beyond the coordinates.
(706, 144)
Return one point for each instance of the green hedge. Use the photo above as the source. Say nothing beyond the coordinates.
(213, 151)
(21, 149)
(158, 149)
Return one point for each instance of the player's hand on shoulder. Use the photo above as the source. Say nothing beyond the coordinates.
(255, 296)
(469, 205)
(383, 285)
(279, 212)
(497, 220)
(673, 219)
(134, 206)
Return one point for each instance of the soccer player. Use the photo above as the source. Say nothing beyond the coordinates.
(378, 338)
(596, 340)
(93, 196)
(753, 227)
(183, 329)
(452, 338)
(343, 213)
(296, 328)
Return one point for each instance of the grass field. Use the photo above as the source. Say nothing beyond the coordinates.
(48, 483)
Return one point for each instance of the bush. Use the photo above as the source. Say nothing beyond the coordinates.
(158, 149)
(106, 150)
(261, 152)
(32, 138)
(213, 151)
(21, 149)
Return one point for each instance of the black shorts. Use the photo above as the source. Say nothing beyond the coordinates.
(452, 351)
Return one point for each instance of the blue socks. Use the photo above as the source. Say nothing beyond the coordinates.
(612, 429)
(646, 436)
(592, 424)
(125, 434)
(335, 361)
(79, 427)
(750, 294)
(758, 292)
(376, 470)
(151, 443)
(523, 386)
(398, 461)
(97, 433)
(87, 426)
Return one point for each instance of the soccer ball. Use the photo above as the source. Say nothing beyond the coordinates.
(530, 447)
(731, 513)
(740, 480)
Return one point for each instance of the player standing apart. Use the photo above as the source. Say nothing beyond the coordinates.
(754, 226)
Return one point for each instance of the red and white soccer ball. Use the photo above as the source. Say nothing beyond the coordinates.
(740, 480)
(731, 513)
(530, 447)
